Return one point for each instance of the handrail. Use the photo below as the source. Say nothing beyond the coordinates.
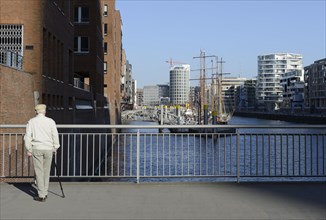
(11, 59)
(236, 152)
(170, 126)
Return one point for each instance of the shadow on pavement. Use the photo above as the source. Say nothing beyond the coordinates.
(30, 189)
(311, 193)
(27, 188)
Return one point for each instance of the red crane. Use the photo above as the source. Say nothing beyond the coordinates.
(172, 62)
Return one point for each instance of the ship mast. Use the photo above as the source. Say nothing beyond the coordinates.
(202, 79)
(212, 89)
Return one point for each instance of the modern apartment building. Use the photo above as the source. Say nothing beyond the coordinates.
(114, 59)
(247, 95)
(230, 92)
(315, 86)
(293, 90)
(271, 69)
(179, 84)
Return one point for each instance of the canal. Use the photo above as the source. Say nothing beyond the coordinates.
(278, 153)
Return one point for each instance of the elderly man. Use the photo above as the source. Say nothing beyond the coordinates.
(41, 142)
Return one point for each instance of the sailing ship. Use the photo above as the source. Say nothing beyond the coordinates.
(222, 115)
(218, 112)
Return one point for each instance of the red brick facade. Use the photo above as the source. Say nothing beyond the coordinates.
(53, 73)
(112, 35)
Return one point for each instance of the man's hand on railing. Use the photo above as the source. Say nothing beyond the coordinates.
(29, 154)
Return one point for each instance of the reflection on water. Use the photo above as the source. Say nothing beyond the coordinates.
(278, 154)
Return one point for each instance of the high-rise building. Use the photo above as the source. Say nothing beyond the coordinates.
(271, 69)
(179, 84)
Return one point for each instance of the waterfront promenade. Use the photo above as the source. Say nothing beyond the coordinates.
(85, 200)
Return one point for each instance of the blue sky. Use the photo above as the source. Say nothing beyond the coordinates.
(238, 31)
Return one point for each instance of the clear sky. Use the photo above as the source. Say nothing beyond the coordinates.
(238, 31)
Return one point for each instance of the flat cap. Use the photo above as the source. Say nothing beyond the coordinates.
(40, 108)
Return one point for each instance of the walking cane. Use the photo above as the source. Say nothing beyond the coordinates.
(55, 165)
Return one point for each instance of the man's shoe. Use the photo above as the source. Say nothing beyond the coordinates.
(40, 199)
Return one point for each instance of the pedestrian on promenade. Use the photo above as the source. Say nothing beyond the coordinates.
(41, 142)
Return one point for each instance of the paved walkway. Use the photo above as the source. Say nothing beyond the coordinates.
(166, 201)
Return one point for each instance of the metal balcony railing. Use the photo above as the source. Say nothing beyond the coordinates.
(81, 85)
(165, 153)
(11, 59)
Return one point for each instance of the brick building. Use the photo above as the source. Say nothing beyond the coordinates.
(60, 45)
(113, 58)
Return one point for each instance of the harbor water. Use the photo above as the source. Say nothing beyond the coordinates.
(278, 155)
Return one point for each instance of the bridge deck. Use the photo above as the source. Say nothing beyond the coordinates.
(166, 201)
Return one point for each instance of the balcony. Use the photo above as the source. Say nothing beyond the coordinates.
(11, 59)
(81, 85)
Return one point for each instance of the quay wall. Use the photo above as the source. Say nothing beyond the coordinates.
(298, 118)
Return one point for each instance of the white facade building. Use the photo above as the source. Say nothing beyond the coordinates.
(271, 69)
(179, 84)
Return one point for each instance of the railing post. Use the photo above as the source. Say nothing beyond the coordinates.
(238, 156)
(138, 156)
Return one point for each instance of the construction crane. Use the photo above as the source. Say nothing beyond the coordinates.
(172, 62)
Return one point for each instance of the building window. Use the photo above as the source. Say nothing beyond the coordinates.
(105, 13)
(81, 14)
(81, 44)
(105, 29)
(105, 67)
(105, 48)
(11, 41)
(11, 38)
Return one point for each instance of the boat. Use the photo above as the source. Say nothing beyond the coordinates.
(218, 114)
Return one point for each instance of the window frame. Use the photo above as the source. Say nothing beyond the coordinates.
(79, 44)
(105, 10)
(79, 19)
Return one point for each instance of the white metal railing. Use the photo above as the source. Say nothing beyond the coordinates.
(221, 152)
(11, 59)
